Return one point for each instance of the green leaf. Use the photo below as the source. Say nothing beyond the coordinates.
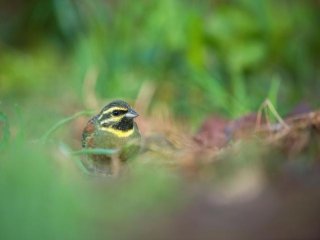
(4, 130)
(62, 122)
(98, 151)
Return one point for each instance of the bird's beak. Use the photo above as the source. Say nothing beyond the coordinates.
(131, 114)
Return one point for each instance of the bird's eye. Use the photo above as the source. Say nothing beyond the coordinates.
(116, 113)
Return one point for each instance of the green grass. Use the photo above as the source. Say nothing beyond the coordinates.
(235, 50)
(203, 57)
(46, 195)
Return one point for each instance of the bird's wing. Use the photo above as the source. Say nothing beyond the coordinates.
(87, 134)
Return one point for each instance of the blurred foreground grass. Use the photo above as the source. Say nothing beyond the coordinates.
(44, 195)
(224, 57)
(249, 186)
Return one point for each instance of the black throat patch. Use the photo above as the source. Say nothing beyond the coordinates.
(124, 125)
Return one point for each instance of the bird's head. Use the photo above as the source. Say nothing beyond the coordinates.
(118, 118)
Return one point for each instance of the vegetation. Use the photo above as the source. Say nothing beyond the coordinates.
(179, 62)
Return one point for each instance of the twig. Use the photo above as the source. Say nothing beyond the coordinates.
(88, 89)
(144, 97)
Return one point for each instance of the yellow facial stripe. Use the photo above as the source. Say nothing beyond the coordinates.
(112, 119)
(118, 133)
(111, 110)
(114, 108)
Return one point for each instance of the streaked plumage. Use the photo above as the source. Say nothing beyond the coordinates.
(112, 128)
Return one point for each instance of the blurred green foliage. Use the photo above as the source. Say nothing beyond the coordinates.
(223, 56)
(34, 199)
(44, 197)
(213, 55)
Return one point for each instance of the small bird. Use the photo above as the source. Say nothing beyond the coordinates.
(112, 128)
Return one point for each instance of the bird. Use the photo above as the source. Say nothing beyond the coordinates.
(113, 128)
